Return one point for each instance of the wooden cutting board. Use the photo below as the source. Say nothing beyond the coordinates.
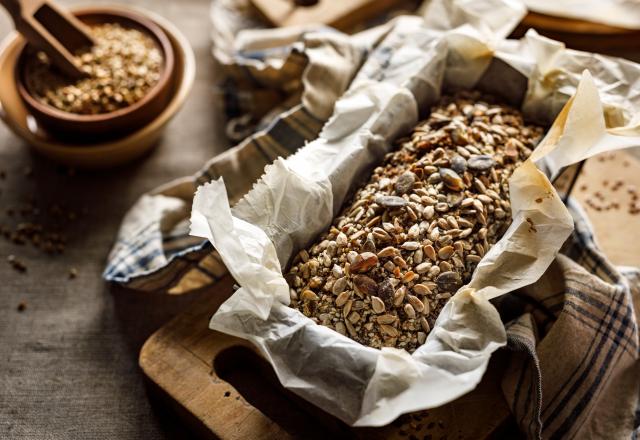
(339, 14)
(580, 34)
(222, 389)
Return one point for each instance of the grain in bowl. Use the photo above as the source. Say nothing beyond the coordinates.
(121, 68)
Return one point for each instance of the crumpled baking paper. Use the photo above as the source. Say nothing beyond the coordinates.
(297, 198)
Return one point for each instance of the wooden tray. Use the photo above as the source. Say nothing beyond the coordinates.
(342, 15)
(221, 388)
(185, 363)
(580, 34)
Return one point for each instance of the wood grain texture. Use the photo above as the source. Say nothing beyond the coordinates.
(69, 365)
(181, 360)
(580, 34)
(335, 13)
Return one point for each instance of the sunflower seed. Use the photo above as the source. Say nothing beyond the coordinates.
(410, 311)
(451, 179)
(346, 310)
(398, 296)
(342, 299)
(339, 285)
(421, 289)
(309, 295)
(364, 261)
(410, 245)
(388, 330)
(386, 319)
(445, 252)
(416, 303)
(389, 251)
(377, 305)
(430, 252)
(425, 325)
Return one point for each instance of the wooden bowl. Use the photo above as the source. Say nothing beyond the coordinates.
(107, 153)
(81, 128)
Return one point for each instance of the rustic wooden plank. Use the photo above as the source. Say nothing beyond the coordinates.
(580, 34)
(342, 15)
(186, 377)
(179, 359)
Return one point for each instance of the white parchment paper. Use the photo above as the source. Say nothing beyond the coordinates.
(297, 198)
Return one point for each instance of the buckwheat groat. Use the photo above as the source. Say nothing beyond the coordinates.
(415, 232)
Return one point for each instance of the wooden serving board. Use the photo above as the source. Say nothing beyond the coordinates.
(222, 389)
(580, 34)
(339, 14)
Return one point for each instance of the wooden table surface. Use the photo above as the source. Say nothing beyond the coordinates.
(68, 361)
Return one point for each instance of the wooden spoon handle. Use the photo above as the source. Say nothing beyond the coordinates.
(13, 8)
(34, 20)
(64, 26)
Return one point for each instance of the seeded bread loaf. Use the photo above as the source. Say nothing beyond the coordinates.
(414, 233)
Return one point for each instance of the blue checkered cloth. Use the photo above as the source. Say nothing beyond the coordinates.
(573, 369)
(154, 251)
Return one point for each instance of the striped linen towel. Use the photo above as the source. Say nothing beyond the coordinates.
(573, 369)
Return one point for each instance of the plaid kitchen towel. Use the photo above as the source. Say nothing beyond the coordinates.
(573, 368)
(260, 81)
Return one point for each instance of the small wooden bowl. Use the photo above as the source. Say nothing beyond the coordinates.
(74, 127)
(108, 152)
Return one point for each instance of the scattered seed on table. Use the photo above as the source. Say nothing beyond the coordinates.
(16, 263)
(22, 306)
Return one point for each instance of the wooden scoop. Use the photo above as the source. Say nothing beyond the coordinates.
(51, 29)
